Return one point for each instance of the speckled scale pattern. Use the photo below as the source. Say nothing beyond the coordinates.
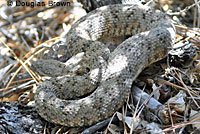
(151, 31)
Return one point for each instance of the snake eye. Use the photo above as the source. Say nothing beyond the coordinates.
(87, 69)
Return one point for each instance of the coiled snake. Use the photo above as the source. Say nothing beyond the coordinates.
(100, 80)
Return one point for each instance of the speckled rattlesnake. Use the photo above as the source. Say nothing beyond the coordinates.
(104, 77)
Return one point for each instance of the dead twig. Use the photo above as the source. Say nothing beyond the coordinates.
(196, 14)
(29, 14)
(96, 127)
(182, 125)
(182, 11)
(8, 34)
(21, 62)
(26, 61)
(17, 88)
(164, 82)
(187, 89)
(170, 114)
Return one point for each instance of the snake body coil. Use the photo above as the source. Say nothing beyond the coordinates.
(109, 76)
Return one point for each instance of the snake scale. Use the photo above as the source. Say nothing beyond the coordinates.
(100, 80)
